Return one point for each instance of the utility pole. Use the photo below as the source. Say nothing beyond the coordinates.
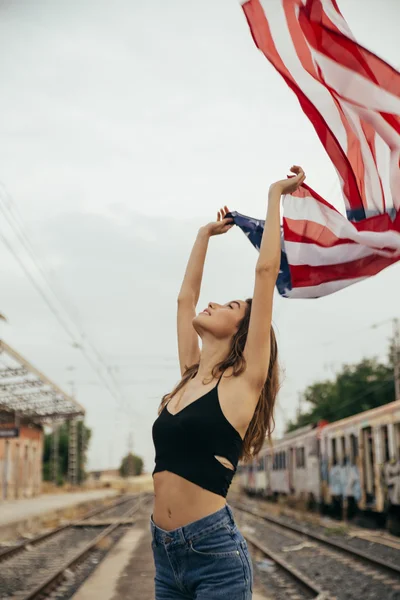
(82, 452)
(396, 357)
(55, 442)
(72, 452)
(72, 387)
(71, 382)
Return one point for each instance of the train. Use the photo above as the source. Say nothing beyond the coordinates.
(345, 468)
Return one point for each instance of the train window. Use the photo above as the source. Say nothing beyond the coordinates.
(300, 458)
(353, 448)
(313, 447)
(369, 462)
(279, 461)
(397, 440)
(334, 452)
(385, 443)
(343, 449)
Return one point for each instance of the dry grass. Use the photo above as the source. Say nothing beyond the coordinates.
(105, 543)
(128, 485)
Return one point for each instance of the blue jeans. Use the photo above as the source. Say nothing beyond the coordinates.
(204, 560)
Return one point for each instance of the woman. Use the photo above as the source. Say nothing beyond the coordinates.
(220, 412)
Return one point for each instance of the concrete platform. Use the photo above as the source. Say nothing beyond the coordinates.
(18, 515)
(128, 570)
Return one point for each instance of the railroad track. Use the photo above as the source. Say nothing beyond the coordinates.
(28, 543)
(319, 566)
(381, 538)
(38, 567)
(335, 545)
(297, 582)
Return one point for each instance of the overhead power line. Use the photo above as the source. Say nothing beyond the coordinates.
(17, 227)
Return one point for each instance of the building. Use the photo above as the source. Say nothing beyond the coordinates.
(28, 402)
(103, 475)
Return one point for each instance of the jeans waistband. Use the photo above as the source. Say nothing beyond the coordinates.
(192, 530)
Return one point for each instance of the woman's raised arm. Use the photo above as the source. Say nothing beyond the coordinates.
(257, 348)
(188, 343)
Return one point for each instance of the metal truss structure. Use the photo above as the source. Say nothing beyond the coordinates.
(26, 392)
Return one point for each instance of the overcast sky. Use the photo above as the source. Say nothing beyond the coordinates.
(123, 127)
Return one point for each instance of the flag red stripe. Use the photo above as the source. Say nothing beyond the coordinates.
(313, 233)
(305, 275)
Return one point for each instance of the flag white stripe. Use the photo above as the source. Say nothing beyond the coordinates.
(395, 178)
(354, 87)
(300, 253)
(336, 18)
(383, 157)
(323, 289)
(298, 208)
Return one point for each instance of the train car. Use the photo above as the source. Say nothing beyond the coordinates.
(289, 466)
(294, 464)
(345, 467)
(248, 473)
(360, 463)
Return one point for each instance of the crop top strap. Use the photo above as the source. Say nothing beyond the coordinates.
(222, 374)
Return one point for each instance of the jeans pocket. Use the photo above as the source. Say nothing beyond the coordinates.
(218, 544)
(247, 564)
(153, 541)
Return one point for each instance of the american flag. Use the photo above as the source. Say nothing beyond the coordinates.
(352, 99)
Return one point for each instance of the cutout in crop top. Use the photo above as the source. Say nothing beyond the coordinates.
(187, 443)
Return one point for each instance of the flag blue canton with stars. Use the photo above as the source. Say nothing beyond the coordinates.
(253, 230)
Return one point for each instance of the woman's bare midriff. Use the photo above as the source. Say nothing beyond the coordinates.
(178, 502)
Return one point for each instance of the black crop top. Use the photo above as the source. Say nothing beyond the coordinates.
(186, 443)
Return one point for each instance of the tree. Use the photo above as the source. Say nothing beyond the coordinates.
(131, 465)
(63, 453)
(356, 388)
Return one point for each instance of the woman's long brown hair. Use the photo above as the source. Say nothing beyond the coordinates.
(262, 423)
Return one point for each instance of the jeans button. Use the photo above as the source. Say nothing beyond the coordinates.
(168, 539)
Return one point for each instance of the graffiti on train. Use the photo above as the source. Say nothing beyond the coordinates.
(343, 480)
(391, 478)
